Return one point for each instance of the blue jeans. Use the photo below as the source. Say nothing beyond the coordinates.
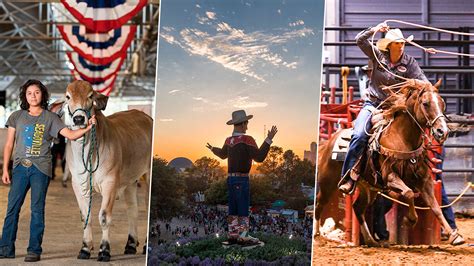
(447, 212)
(239, 195)
(359, 139)
(22, 180)
(381, 207)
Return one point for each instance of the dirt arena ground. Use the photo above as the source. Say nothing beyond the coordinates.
(329, 253)
(63, 234)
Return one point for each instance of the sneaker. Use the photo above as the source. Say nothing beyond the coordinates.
(455, 238)
(32, 257)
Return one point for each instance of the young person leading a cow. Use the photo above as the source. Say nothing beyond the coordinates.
(241, 149)
(31, 131)
(390, 52)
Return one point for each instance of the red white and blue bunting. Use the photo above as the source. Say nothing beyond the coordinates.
(104, 15)
(94, 72)
(98, 48)
(104, 87)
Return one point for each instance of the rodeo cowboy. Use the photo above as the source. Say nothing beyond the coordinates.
(240, 150)
(390, 52)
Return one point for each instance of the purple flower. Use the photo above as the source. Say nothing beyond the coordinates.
(195, 260)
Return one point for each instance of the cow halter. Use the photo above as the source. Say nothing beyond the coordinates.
(87, 111)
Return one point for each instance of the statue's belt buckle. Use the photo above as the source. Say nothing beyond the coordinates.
(26, 163)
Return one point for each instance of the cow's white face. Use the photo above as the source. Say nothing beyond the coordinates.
(81, 102)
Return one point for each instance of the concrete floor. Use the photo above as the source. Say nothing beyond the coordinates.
(63, 234)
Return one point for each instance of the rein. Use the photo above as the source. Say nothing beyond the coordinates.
(412, 155)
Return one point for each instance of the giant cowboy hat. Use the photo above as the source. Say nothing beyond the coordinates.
(394, 35)
(238, 117)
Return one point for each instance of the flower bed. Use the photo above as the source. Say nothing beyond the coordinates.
(209, 251)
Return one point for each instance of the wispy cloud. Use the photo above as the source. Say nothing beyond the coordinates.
(166, 120)
(211, 15)
(244, 102)
(201, 99)
(234, 48)
(173, 91)
(296, 23)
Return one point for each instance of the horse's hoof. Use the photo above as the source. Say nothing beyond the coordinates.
(84, 255)
(373, 244)
(456, 239)
(104, 256)
(144, 249)
(384, 244)
(64, 183)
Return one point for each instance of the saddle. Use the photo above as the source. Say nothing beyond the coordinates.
(341, 147)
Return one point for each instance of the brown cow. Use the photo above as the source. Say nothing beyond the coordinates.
(124, 151)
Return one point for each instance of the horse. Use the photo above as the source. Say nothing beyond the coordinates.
(402, 158)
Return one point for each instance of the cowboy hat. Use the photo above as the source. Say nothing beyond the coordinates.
(238, 117)
(394, 35)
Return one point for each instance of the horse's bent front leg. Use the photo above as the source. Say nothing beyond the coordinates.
(394, 182)
(427, 193)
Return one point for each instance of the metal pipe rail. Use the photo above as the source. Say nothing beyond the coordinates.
(336, 68)
(449, 43)
(349, 28)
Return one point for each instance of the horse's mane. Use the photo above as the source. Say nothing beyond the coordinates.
(397, 101)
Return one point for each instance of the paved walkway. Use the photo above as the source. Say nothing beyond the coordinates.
(63, 234)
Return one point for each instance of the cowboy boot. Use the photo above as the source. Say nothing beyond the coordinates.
(349, 185)
(233, 227)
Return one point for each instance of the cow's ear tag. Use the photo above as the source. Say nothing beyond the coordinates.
(100, 101)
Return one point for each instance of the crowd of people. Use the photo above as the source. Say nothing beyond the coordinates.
(204, 220)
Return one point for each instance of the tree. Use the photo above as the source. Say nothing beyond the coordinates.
(217, 192)
(304, 170)
(204, 171)
(261, 191)
(167, 191)
(270, 165)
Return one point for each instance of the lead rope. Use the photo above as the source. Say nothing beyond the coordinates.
(88, 165)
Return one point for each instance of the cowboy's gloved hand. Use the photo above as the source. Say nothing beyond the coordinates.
(431, 50)
(418, 83)
(382, 27)
(272, 132)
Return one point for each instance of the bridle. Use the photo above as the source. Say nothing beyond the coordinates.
(429, 124)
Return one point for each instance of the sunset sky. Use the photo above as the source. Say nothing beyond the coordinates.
(219, 56)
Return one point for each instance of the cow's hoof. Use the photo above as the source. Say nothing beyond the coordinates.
(129, 250)
(104, 256)
(131, 246)
(84, 255)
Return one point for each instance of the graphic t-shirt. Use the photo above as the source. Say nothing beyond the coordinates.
(33, 137)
